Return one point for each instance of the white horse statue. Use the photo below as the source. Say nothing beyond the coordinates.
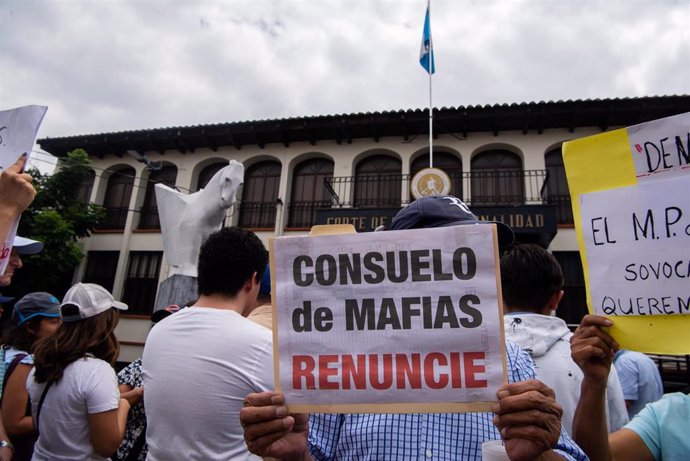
(188, 219)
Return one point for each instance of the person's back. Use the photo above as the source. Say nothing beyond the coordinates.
(640, 379)
(75, 402)
(532, 282)
(198, 366)
(88, 386)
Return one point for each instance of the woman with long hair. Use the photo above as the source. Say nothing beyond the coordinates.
(35, 316)
(75, 401)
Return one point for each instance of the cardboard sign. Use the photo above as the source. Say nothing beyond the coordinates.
(404, 321)
(629, 190)
(18, 129)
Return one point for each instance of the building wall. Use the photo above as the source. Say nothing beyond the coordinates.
(530, 147)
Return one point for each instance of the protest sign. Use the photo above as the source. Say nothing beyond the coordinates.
(18, 128)
(631, 205)
(401, 322)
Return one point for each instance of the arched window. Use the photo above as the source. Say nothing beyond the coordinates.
(116, 200)
(308, 191)
(259, 194)
(497, 178)
(149, 210)
(445, 161)
(557, 192)
(378, 182)
(207, 173)
(83, 194)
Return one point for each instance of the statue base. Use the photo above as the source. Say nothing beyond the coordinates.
(176, 289)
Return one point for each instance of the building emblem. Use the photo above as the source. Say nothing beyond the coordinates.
(430, 181)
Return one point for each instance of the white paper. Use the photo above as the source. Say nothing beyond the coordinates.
(482, 337)
(661, 148)
(18, 129)
(637, 241)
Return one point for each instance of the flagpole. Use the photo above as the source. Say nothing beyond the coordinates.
(431, 112)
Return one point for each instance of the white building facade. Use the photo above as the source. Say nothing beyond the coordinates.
(504, 161)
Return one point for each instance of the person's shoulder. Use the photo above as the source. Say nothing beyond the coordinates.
(89, 363)
(12, 352)
(675, 400)
(134, 368)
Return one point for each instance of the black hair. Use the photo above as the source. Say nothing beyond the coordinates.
(24, 336)
(530, 276)
(227, 259)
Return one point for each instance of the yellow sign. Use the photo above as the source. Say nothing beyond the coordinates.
(430, 181)
(616, 160)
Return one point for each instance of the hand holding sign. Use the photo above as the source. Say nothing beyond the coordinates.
(529, 419)
(15, 189)
(268, 429)
(18, 128)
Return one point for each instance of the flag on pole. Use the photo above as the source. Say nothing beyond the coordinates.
(426, 52)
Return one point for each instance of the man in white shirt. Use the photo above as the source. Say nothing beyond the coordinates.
(199, 364)
(532, 282)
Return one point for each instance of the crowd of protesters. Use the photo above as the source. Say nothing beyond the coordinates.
(203, 388)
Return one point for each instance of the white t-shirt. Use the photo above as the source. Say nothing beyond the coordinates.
(198, 366)
(11, 352)
(88, 386)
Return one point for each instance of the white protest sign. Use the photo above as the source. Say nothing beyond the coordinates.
(661, 148)
(637, 241)
(18, 128)
(404, 321)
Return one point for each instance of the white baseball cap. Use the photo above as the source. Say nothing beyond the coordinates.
(25, 246)
(86, 300)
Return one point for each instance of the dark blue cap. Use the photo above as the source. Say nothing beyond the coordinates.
(265, 286)
(444, 211)
(40, 304)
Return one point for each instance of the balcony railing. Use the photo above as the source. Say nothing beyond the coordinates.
(257, 214)
(479, 188)
(483, 188)
(148, 218)
(303, 214)
(115, 218)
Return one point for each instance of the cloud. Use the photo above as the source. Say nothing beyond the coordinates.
(126, 65)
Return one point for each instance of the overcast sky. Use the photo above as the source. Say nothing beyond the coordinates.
(113, 65)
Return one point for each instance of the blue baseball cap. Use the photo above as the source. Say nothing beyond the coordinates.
(265, 286)
(39, 304)
(444, 211)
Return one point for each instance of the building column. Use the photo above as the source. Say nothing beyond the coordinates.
(138, 191)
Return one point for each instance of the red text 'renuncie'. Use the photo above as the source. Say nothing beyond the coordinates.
(434, 370)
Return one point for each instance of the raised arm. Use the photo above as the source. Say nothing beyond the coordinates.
(592, 349)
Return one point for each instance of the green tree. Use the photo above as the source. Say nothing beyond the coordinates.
(58, 219)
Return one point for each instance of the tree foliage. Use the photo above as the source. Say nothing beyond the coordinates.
(58, 219)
